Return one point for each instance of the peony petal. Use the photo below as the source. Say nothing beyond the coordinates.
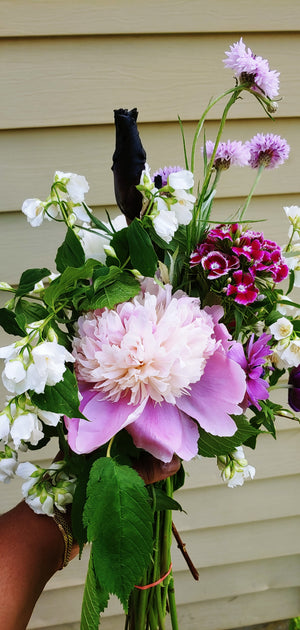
(163, 430)
(216, 395)
(105, 420)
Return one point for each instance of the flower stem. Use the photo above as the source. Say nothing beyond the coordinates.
(172, 605)
(258, 176)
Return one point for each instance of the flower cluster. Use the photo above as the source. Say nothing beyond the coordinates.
(241, 259)
(235, 468)
(64, 202)
(46, 488)
(171, 205)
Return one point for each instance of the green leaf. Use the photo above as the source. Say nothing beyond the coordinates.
(9, 323)
(61, 398)
(122, 290)
(95, 600)
(30, 311)
(29, 278)
(70, 253)
(119, 518)
(105, 276)
(142, 254)
(67, 282)
(120, 244)
(164, 502)
(212, 445)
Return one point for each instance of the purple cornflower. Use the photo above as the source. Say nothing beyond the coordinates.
(267, 150)
(252, 362)
(160, 177)
(232, 152)
(294, 391)
(252, 70)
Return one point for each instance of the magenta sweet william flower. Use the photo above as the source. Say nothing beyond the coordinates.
(252, 362)
(252, 70)
(243, 289)
(267, 150)
(229, 153)
(154, 366)
(294, 389)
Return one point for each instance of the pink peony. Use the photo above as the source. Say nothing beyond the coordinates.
(154, 365)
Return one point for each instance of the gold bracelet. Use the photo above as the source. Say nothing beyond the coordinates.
(67, 535)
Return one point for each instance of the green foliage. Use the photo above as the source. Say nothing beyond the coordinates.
(28, 312)
(9, 323)
(61, 398)
(70, 253)
(163, 502)
(118, 518)
(65, 286)
(95, 600)
(29, 278)
(120, 287)
(142, 254)
(213, 445)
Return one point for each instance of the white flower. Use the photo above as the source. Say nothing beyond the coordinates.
(183, 206)
(45, 366)
(165, 222)
(48, 417)
(287, 309)
(235, 468)
(34, 211)
(8, 465)
(181, 180)
(293, 214)
(4, 426)
(76, 185)
(146, 180)
(95, 243)
(290, 355)
(281, 328)
(26, 427)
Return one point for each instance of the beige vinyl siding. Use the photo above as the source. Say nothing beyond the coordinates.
(64, 67)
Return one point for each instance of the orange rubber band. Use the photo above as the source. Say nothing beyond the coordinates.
(144, 588)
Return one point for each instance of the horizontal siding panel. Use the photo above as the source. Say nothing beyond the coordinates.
(237, 610)
(221, 582)
(27, 17)
(257, 500)
(75, 81)
(241, 543)
(29, 158)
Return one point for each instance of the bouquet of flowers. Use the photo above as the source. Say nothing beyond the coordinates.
(162, 334)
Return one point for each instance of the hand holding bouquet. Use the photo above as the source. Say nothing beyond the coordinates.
(164, 334)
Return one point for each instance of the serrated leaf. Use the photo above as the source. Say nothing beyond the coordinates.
(212, 445)
(105, 276)
(121, 290)
(95, 600)
(61, 398)
(142, 254)
(9, 323)
(70, 253)
(29, 278)
(119, 519)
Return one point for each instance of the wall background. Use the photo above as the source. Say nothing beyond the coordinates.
(64, 67)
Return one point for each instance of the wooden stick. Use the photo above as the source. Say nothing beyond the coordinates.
(182, 547)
